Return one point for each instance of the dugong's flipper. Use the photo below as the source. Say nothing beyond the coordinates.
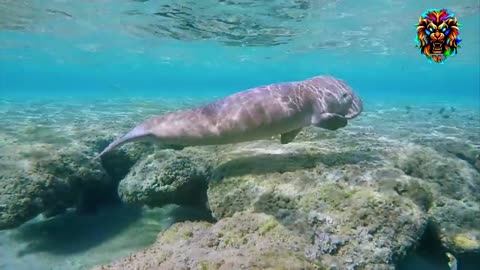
(289, 136)
(330, 121)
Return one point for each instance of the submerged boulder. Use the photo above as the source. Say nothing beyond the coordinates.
(166, 177)
(324, 194)
(457, 149)
(243, 241)
(455, 185)
(38, 178)
(359, 227)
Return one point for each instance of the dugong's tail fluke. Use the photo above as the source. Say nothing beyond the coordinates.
(135, 134)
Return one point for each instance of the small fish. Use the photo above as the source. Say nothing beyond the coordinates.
(452, 261)
(408, 108)
(53, 11)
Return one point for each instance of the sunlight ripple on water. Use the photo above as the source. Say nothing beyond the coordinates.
(293, 26)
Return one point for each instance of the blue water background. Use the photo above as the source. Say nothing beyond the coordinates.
(106, 63)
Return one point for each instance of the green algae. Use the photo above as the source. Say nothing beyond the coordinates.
(328, 195)
(466, 242)
(170, 235)
(208, 266)
(44, 134)
(182, 231)
(268, 226)
(187, 234)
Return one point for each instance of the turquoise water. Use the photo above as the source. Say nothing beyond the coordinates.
(117, 56)
(102, 49)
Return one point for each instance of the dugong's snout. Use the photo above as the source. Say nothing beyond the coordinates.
(356, 106)
(339, 97)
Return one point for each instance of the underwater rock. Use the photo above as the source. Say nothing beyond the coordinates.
(456, 224)
(455, 185)
(248, 169)
(37, 179)
(324, 196)
(450, 177)
(372, 229)
(21, 194)
(168, 176)
(119, 162)
(458, 149)
(389, 179)
(243, 241)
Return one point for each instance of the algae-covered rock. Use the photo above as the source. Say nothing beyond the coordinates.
(118, 163)
(451, 177)
(358, 227)
(168, 176)
(457, 149)
(39, 179)
(21, 196)
(243, 241)
(455, 185)
(328, 198)
(457, 224)
(390, 179)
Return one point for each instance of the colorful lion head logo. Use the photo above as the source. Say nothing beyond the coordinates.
(438, 34)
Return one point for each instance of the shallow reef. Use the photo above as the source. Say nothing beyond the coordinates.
(243, 241)
(362, 197)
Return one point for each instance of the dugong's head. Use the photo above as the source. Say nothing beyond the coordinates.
(337, 97)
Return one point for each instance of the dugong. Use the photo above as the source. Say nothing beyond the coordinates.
(253, 114)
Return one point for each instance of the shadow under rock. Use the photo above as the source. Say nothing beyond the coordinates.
(271, 163)
(191, 213)
(117, 165)
(71, 233)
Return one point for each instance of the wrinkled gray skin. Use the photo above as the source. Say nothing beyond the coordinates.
(258, 113)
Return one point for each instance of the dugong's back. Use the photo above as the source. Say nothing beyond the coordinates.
(280, 107)
(247, 115)
(261, 111)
